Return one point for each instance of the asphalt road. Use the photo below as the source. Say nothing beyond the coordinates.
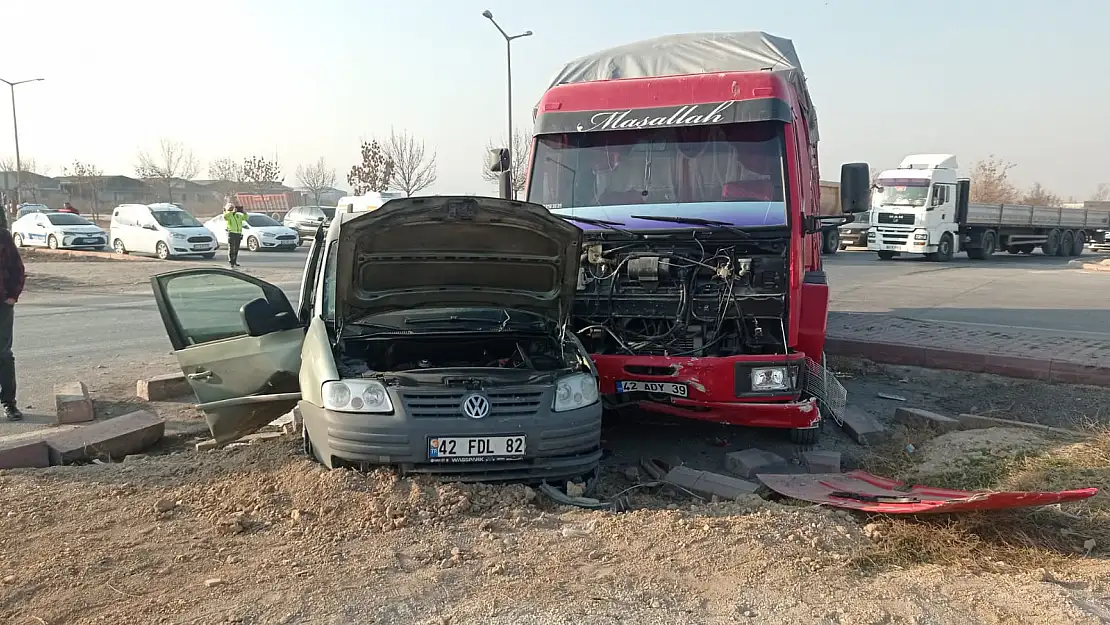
(117, 337)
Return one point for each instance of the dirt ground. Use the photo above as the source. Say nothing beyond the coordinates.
(49, 272)
(260, 534)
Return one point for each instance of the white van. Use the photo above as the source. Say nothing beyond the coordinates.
(165, 230)
(368, 202)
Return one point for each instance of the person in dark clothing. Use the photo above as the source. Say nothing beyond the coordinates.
(12, 277)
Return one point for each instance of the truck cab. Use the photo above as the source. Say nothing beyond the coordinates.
(914, 208)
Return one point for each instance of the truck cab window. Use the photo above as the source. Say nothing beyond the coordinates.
(730, 163)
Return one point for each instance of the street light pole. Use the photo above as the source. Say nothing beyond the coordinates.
(15, 130)
(509, 70)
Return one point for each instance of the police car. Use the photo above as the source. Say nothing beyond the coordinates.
(58, 230)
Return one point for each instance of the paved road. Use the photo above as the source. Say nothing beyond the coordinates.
(94, 336)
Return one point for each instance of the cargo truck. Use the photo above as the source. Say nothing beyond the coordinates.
(690, 161)
(922, 208)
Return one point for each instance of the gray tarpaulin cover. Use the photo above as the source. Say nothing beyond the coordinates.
(694, 53)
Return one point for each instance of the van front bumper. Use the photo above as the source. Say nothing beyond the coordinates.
(559, 446)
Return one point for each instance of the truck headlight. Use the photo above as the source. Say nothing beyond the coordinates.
(356, 396)
(575, 391)
(921, 236)
(770, 379)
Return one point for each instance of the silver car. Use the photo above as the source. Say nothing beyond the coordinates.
(431, 334)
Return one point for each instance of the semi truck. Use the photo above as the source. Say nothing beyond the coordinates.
(923, 207)
(831, 235)
(690, 161)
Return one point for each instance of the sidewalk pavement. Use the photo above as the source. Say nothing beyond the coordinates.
(1036, 355)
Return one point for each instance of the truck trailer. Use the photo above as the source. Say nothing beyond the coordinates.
(690, 161)
(922, 208)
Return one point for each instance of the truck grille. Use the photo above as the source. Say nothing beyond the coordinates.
(901, 219)
(447, 404)
(200, 239)
(893, 237)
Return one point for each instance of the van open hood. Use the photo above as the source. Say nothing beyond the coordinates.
(452, 251)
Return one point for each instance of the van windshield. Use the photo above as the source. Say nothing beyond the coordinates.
(727, 163)
(175, 219)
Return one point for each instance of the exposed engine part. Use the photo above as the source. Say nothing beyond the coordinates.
(368, 356)
(684, 297)
(649, 269)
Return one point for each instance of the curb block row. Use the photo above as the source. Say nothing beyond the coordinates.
(974, 362)
(94, 254)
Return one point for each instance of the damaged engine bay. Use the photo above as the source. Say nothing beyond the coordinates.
(508, 353)
(675, 295)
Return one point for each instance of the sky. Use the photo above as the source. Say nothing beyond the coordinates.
(1024, 80)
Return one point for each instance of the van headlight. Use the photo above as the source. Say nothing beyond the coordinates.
(177, 235)
(770, 379)
(356, 396)
(575, 391)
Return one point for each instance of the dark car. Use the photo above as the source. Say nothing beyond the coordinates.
(306, 219)
(855, 234)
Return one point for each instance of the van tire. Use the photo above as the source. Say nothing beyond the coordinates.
(17, 239)
(162, 250)
(52, 242)
(252, 244)
(117, 245)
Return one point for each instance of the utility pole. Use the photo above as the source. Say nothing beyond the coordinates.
(15, 130)
(509, 71)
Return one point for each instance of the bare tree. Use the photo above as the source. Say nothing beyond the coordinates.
(519, 166)
(27, 165)
(89, 183)
(1102, 193)
(374, 172)
(262, 173)
(172, 161)
(413, 168)
(1037, 195)
(317, 178)
(225, 170)
(990, 182)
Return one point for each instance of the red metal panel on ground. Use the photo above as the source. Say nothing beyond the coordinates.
(859, 490)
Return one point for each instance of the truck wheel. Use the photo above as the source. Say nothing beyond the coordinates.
(944, 249)
(885, 255)
(1028, 249)
(1051, 244)
(830, 241)
(1066, 243)
(1079, 244)
(990, 244)
(1014, 249)
(805, 436)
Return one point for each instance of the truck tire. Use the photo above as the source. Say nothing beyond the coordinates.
(986, 247)
(1080, 243)
(830, 241)
(945, 249)
(885, 255)
(1014, 249)
(1051, 244)
(1066, 243)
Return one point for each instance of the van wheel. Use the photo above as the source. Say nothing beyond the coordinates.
(52, 242)
(117, 245)
(162, 250)
(252, 244)
(17, 239)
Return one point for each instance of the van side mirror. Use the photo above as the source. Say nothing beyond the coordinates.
(855, 188)
(260, 317)
(498, 160)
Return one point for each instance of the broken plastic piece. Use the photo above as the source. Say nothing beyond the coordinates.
(619, 504)
(859, 490)
(890, 397)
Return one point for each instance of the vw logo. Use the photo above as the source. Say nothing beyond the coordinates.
(475, 406)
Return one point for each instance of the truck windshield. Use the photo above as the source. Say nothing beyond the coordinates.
(901, 192)
(729, 163)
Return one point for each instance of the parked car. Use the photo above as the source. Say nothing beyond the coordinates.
(27, 209)
(306, 219)
(260, 232)
(165, 230)
(855, 233)
(424, 338)
(58, 230)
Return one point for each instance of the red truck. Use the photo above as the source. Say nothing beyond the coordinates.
(273, 204)
(690, 161)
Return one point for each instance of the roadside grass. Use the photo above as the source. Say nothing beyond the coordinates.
(1052, 536)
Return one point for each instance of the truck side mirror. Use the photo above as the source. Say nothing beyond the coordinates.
(498, 160)
(855, 188)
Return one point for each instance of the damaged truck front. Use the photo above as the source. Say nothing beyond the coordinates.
(691, 163)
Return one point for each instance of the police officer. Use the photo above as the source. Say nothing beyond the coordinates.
(234, 217)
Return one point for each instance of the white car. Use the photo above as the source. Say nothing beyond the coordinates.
(260, 232)
(58, 230)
